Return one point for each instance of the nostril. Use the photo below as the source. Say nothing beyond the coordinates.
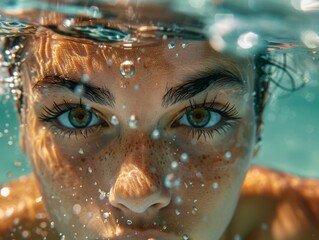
(152, 202)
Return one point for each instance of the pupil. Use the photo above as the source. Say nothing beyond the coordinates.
(79, 117)
(199, 117)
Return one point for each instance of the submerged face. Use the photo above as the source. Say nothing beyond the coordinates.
(148, 142)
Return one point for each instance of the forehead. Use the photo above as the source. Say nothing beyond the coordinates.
(167, 59)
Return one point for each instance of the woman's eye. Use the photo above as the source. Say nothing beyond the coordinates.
(78, 118)
(200, 117)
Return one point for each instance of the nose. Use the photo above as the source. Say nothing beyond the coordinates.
(138, 190)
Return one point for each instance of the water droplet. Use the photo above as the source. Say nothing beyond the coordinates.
(178, 201)
(237, 237)
(114, 120)
(102, 194)
(68, 22)
(90, 215)
(106, 214)
(62, 237)
(228, 155)
(5, 192)
(185, 237)
(136, 87)
(184, 157)
(215, 186)
(52, 225)
(79, 90)
(177, 212)
(171, 45)
(247, 40)
(129, 222)
(195, 209)
(133, 122)
(109, 62)
(94, 11)
(90, 170)
(155, 134)
(76, 209)
(85, 78)
(264, 227)
(184, 45)
(171, 181)
(174, 165)
(81, 151)
(127, 69)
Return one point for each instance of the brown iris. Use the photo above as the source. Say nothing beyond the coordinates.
(199, 117)
(79, 117)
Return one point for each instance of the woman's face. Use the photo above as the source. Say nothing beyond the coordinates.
(137, 143)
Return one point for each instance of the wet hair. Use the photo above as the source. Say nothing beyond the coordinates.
(270, 70)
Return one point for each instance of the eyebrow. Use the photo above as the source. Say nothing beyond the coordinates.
(201, 81)
(95, 94)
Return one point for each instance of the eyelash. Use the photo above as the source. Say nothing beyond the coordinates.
(51, 114)
(228, 113)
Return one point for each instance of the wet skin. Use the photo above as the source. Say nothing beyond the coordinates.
(116, 181)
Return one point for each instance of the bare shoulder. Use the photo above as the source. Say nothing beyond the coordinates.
(22, 214)
(277, 205)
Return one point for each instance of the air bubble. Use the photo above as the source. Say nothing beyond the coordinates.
(228, 155)
(185, 45)
(129, 222)
(177, 212)
(5, 192)
(102, 195)
(133, 122)
(247, 40)
(171, 45)
(195, 210)
(114, 120)
(94, 11)
(155, 134)
(77, 209)
(52, 225)
(174, 165)
(79, 90)
(185, 237)
(127, 69)
(136, 87)
(81, 151)
(106, 214)
(215, 186)
(109, 62)
(68, 22)
(85, 78)
(237, 237)
(171, 181)
(90, 170)
(184, 157)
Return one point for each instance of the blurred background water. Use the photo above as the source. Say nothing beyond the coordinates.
(290, 141)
